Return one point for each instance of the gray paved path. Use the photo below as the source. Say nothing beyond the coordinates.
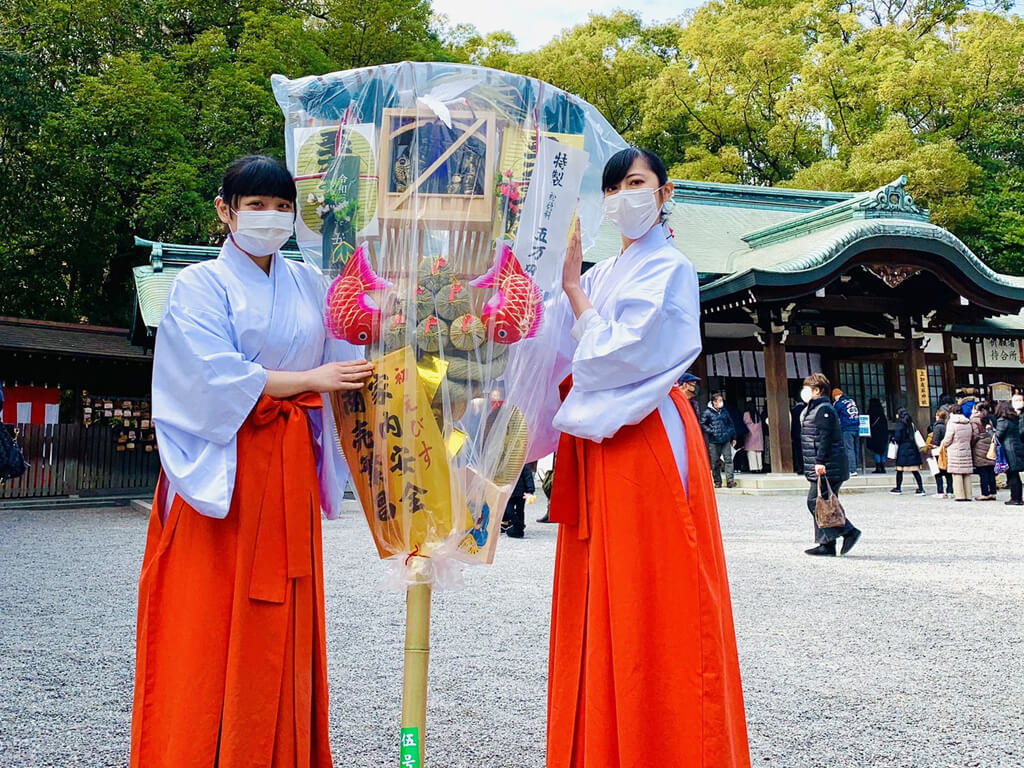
(907, 653)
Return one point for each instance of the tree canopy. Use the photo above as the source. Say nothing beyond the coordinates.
(119, 116)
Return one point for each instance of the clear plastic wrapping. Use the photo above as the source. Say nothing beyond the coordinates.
(437, 200)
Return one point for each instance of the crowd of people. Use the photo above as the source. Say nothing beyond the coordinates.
(969, 437)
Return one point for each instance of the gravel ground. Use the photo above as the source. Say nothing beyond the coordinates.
(906, 653)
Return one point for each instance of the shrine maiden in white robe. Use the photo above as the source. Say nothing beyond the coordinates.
(627, 352)
(225, 325)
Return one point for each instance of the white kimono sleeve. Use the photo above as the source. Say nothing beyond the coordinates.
(551, 351)
(203, 390)
(334, 471)
(628, 359)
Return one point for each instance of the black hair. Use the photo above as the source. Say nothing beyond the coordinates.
(257, 175)
(618, 166)
(716, 396)
(755, 417)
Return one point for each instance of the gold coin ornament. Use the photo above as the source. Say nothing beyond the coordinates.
(431, 333)
(467, 332)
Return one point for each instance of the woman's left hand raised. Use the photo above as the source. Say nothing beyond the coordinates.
(573, 266)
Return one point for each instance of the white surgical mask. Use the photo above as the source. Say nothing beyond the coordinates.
(633, 211)
(263, 232)
(805, 394)
(1017, 402)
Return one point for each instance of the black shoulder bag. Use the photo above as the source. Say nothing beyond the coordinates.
(12, 460)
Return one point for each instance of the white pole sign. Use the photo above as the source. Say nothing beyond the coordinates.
(550, 201)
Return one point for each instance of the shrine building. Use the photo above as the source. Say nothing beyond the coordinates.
(860, 286)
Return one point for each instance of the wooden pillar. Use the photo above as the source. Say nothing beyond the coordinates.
(777, 401)
(918, 404)
(700, 368)
(948, 366)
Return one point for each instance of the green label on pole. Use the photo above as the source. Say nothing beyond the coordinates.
(410, 748)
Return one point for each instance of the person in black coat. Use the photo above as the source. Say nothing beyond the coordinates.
(1009, 429)
(720, 435)
(878, 442)
(821, 442)
(908, 455)
(514, 521)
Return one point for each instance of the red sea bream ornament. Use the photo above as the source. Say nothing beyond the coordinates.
(515, 311)
(351, 314)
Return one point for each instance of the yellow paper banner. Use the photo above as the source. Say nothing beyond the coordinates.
(392, 442)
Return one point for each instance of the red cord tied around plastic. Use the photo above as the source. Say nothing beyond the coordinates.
(415, 553)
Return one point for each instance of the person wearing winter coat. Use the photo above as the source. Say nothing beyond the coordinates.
(720, 435)
(849, 421)
(821, 442)
(959, 452)
(908, 455)
(943, 480)
(878, 443)
(984, 467)
(753, 444)
(1009, 426)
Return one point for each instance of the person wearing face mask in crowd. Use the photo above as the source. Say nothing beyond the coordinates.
(688, 384)
(639, 543)
(720, 436)
(821, 440)
(230, 652)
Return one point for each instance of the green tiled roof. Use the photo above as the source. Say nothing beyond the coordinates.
(710, 220)
(152, 288)
(153, 281)
(736, 236)
(1005, 325)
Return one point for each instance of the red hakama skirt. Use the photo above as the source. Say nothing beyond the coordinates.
(231, 660)
(643, 666)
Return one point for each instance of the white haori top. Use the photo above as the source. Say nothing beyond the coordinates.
(626, 353)
(225, 325)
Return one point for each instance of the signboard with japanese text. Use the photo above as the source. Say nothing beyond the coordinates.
(543, 230)
(923, 398)
(1003, 353)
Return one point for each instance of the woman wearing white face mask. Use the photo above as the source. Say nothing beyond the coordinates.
(231, 660)
(643, 667)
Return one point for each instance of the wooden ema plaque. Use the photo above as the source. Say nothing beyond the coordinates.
(439, 178)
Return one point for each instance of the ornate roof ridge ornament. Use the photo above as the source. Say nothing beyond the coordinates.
(893, 198)
(891, 201)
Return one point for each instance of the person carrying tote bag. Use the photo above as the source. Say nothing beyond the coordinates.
(824, 454)
(908, 453)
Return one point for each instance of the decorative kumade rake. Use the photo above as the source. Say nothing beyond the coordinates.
(437, 201)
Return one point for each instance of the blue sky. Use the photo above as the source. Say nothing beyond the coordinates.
(534, 22)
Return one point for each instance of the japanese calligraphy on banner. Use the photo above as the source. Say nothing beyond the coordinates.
(923, 398)
(547, 214)
(392, 442)
(1003, 353)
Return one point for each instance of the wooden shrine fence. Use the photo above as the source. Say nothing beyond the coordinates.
(66, 459)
